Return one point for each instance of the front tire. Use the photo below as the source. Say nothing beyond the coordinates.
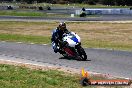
(82, 53)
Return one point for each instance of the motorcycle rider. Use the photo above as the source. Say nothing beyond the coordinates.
(57, 36)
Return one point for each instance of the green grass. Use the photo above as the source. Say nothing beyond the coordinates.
(30, 13)
(21, 77)
(23, 13)
(25, 38)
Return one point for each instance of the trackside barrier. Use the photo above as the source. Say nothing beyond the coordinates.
(106, 11)
(5, 7)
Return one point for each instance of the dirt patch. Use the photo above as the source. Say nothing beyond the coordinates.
(104, 32)
(26, 29)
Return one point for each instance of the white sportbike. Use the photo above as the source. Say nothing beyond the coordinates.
(71, 47)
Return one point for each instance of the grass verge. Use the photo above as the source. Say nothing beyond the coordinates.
(23, 13)
(25, 38)
(31, 13)
(21, 77)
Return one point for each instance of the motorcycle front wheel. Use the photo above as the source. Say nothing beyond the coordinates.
(82, 53)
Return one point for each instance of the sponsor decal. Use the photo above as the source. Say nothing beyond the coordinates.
(86, 80)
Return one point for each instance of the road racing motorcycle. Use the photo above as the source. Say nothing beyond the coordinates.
(71, 47)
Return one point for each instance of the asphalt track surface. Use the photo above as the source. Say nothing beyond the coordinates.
(98, 18)
(116, 63)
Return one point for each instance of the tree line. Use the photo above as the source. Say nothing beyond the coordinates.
(91, 2)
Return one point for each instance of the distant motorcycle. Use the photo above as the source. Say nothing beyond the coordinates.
(71, 47)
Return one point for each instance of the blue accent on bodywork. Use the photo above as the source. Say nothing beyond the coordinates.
(74, 39)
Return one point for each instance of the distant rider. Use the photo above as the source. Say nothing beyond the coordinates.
(57, 36)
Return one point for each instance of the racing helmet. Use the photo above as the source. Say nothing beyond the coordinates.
(62, 26)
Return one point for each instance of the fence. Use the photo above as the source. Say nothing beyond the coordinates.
(106, 11)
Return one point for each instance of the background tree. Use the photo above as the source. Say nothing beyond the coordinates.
(91, 2)
(107, 2)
